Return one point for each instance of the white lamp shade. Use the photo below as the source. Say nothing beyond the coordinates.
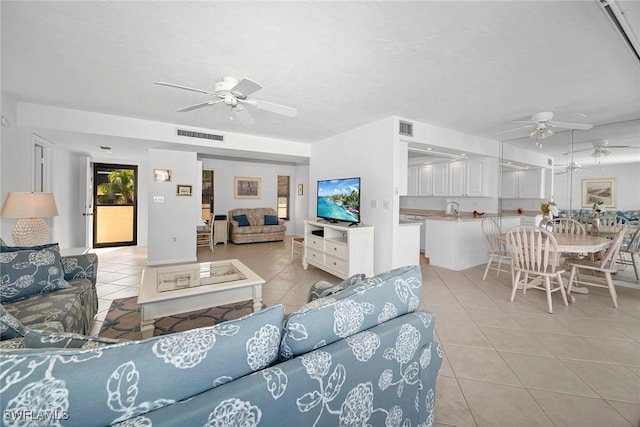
(29, 205)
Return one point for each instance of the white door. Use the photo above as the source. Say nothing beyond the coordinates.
(86, 200)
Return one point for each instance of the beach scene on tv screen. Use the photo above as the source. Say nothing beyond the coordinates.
(339, 199)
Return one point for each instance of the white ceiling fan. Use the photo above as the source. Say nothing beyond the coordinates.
(542, 126)
(234, 93)
(571, 167)
(599, 148)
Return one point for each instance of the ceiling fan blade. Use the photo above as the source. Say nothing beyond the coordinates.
(185, 87)
(568, 125)
(245, 87)
(274, 108)
(618, 146)
(518, 128)
(584, 150)
(196, 106)
(243, 115)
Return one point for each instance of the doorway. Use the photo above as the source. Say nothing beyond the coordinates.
(115, 195)
(207, 195)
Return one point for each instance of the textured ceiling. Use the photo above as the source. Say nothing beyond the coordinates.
(470, 66)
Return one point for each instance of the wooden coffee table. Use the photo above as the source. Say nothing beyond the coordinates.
(165, 291)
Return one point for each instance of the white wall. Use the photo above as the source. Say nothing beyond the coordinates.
(172, 224)
(628, 185)
(367, 152)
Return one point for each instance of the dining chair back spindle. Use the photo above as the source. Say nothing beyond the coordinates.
(495, 248)
(568, 226)
(534, 253)
(630, 247)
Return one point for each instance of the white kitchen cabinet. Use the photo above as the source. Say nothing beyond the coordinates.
(510, 185)
(531, 184)
(457, 178)
(524, 184)
(469, 178)
(440, 179)
(338, 249)
(426, 180)
(458, 245)
(413, 174)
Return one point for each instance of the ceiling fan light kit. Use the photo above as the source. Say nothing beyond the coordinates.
(543, 126)
(232, 92)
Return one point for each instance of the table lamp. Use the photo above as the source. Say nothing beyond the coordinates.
(31, 209)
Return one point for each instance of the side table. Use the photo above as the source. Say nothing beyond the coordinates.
(220, 231)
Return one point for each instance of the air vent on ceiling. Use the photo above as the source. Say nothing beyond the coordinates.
(406, 128)
(201, 135)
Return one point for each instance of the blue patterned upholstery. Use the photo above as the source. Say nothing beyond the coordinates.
(323, 289)
(132, 378)
(375, 364)
(356, 308)
(29, 272)
(73, 307)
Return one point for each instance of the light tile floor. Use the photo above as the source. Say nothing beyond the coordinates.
(506, 364)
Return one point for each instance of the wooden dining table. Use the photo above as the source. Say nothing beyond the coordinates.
(576, 244)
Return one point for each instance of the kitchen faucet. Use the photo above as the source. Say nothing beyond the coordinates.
(455, 208)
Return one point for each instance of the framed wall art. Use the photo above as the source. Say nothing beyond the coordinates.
(162, 174)
(246, 188)
(596, 190)
(183, 190)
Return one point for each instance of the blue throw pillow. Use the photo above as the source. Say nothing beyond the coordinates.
(5, 248)
(31, 272)
(243, 221)
(271, 220)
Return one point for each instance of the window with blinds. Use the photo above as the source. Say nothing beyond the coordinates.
(283, 197)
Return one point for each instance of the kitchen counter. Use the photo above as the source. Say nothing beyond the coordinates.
(441, 216)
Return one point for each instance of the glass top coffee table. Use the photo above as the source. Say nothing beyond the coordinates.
(170, 290)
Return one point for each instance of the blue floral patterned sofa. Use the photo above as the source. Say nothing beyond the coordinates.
(43, 290)
(364, 355)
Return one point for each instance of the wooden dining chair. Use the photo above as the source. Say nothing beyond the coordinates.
(606, 266)
(204, 236)
(534, 253)
(568, 226)
(630, 247)
(495, 248)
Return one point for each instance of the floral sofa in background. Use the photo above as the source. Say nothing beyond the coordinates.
(364, 355)
(252, 225)
(46, 291)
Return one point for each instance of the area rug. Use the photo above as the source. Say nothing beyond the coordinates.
(123, 319)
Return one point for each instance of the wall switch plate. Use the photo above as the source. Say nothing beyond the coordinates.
(374, 204)
(158, 199)
(386, 204)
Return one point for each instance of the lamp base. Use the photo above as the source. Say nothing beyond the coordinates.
(30, 232)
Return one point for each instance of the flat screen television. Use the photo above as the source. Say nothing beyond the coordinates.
(339, 200)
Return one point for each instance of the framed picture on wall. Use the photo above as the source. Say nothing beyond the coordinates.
(162, 174)
(246, 188)
(183, 190)
(599, 190)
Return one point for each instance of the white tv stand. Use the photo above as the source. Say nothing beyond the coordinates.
(337, 248)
